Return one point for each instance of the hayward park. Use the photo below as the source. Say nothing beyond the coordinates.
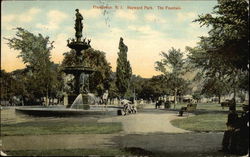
(84, 81)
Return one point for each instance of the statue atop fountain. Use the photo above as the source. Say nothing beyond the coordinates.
(78, 25)
(79, 71)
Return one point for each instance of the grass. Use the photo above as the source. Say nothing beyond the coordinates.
(207, 106)
(70, 152)
(209, 117)
(210, 122)
(48, 128)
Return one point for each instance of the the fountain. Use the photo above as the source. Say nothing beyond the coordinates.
(81, 86)
(80, 101)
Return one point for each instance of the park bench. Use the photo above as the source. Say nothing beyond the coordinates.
(190, 107)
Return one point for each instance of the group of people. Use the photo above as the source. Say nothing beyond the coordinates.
(128, 108)
(236, 137)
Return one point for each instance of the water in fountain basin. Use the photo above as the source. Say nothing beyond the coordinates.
(78, 102)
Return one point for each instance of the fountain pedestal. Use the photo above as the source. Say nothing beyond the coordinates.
(78, 70)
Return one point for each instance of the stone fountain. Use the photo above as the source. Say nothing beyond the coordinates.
(78, 70)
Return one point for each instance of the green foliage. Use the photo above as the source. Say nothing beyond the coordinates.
(215, 87)
(136, 86)
(39, 77)
(223, 56)
(173, 67)
(123, 70)
(34, 50)
(10, 86)
(150, 90)
(228, 38)
(100, 79)
(243, 81)
(216, 77)
(196, 96)
(172, 62)
(113, 91)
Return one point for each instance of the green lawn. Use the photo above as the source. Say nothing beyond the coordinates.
(70, 152)
(47, 128)
(209, 117)
(204, 122)
(208, 106)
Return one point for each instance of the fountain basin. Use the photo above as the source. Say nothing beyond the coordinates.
(64, 112)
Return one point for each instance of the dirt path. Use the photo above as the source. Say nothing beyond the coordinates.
(146, 123)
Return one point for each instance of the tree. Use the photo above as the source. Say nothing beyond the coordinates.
(136, 84)
(229, 35)
(155, 87)
(223, 55)
(197, 96)
(100, 79)
(215, 87)
(123, 70)
(6, 82)
(173, 67)
(35, 51)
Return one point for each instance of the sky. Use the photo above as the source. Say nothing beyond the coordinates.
(147, 27)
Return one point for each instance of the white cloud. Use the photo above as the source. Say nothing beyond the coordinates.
(90, 13)
(184, 16)
(54, 17)
(8, 18)
(10, 21)
(34, 11)
(8, 26)
(60, 47)
(116, 30)
(29, 15)
(128, 15)
(150, 17)
(24, 17)
(145, 30)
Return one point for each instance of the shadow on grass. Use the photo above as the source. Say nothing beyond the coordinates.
(53, 127)
(70, 152)
(111, 152)
(192, 154)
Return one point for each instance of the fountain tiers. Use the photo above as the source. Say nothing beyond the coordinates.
(78, 46)
(76, 70)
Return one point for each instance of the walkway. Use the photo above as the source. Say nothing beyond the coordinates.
(147, 123)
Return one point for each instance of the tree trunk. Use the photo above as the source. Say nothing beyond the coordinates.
(47, 96)
(234, 94)
(219, 96)
(175, 97)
